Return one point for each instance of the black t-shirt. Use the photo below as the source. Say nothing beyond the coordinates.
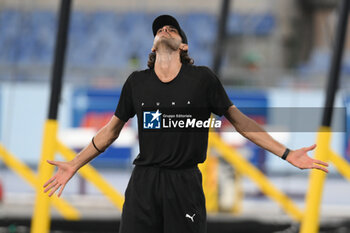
(195, 88)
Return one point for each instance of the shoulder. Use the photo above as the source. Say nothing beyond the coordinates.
(139, 73)
(138, 76)
(203, 73)
(202, 69)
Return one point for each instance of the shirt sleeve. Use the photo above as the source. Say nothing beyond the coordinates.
(125, 109)
(218, 100)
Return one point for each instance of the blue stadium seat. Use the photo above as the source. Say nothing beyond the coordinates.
(105, 38)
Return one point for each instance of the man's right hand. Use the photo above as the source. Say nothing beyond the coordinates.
(64, 173)
(106, 136)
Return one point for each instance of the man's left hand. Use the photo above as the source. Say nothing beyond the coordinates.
(300, 159)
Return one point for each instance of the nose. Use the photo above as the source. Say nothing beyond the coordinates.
(165, 28)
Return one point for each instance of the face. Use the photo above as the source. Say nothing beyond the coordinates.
(169, 36)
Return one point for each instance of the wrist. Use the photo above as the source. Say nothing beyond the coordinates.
(75, 167)
(285, 154)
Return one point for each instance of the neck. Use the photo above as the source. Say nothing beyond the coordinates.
(167, 64)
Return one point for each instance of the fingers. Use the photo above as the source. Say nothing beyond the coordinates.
(49, 181)
(310, 147)
(55, 189)
(61, 190)
(55, 186)
(320, 162)
(50, 186)
(52, 162)
(320, 168)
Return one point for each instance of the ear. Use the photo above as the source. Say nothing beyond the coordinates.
(184, 47)
(153, 50)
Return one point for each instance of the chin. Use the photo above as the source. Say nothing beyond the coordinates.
(168, 42)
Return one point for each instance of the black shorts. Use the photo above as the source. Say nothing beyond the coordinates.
(160, 200)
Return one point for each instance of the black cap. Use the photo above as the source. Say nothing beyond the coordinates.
(163, 20)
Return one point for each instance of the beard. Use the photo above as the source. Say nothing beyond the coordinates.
(169, 43)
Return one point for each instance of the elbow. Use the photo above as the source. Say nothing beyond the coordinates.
(109, 135)
(114, 136)
(241, 131)
(245, 128)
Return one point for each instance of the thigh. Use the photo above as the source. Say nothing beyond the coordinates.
(141, 212)
(184, 203)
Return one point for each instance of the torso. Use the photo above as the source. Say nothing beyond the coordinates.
(188, 90)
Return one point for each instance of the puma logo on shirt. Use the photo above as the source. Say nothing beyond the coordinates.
(172, 103)
(190, 217)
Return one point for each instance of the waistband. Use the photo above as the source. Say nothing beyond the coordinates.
(183, 168)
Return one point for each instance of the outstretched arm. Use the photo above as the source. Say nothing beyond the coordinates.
(255, 133)
(103, 139)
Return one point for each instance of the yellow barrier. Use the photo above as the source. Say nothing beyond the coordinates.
(340, 164)
(42, 215)
(63, 207)
(310, 223)
(239, 194)
(245, 168)
(211, 186)
(209, 171)
(90, 174)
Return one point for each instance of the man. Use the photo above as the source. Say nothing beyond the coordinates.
(165, 193)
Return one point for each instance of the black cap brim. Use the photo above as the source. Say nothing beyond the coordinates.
(163, 20)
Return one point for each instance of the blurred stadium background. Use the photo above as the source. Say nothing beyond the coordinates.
(275, 61)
